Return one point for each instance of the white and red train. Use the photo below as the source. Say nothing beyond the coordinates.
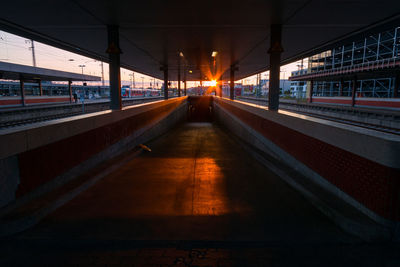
(10, 93)
(127, 92)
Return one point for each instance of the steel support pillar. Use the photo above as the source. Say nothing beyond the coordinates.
(184, 80)
(114, 52)
(200, 92)
(341, 87)
(353, 91)
(311, 91)
(70, 91)
(232, 83)
(220, 88)
(274, 51)
(22, 90)
(165, 69)
(396, 86)
(179, 77)
(220, 72)
(40, 87)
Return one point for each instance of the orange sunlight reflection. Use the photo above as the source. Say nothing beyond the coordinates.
(189, 187)
(209, 194)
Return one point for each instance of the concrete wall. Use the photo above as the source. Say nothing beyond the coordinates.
(37, 158)
(358, 165)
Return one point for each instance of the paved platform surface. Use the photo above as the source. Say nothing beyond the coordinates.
(197, 199)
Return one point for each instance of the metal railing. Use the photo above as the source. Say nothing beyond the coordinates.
(360, 67)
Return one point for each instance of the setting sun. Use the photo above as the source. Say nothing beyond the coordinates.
(211, 83)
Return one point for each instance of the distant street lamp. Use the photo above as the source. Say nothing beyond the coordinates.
(83, 91)
(93, 60)
(102, 73)
(283, 83)
(143, 86)
(132, 75)
(82, 66)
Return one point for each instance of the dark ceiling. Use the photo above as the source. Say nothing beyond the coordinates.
(153, 32)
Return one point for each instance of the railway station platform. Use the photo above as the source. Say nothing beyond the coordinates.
(14, 116)
(199, 181)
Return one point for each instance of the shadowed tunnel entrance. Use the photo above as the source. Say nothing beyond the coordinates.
(200, 109)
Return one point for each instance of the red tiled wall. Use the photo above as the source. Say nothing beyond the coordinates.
(42, 164)
(372, 184)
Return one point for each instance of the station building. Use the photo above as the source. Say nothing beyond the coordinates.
(364, 72)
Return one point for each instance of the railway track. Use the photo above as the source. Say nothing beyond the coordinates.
(15, 123)
(383, 121)
(350, 122)
(37, 114)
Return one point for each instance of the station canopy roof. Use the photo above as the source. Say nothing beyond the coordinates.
(154, 32)
(11, 71)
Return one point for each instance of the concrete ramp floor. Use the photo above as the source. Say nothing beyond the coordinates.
(197, 190)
